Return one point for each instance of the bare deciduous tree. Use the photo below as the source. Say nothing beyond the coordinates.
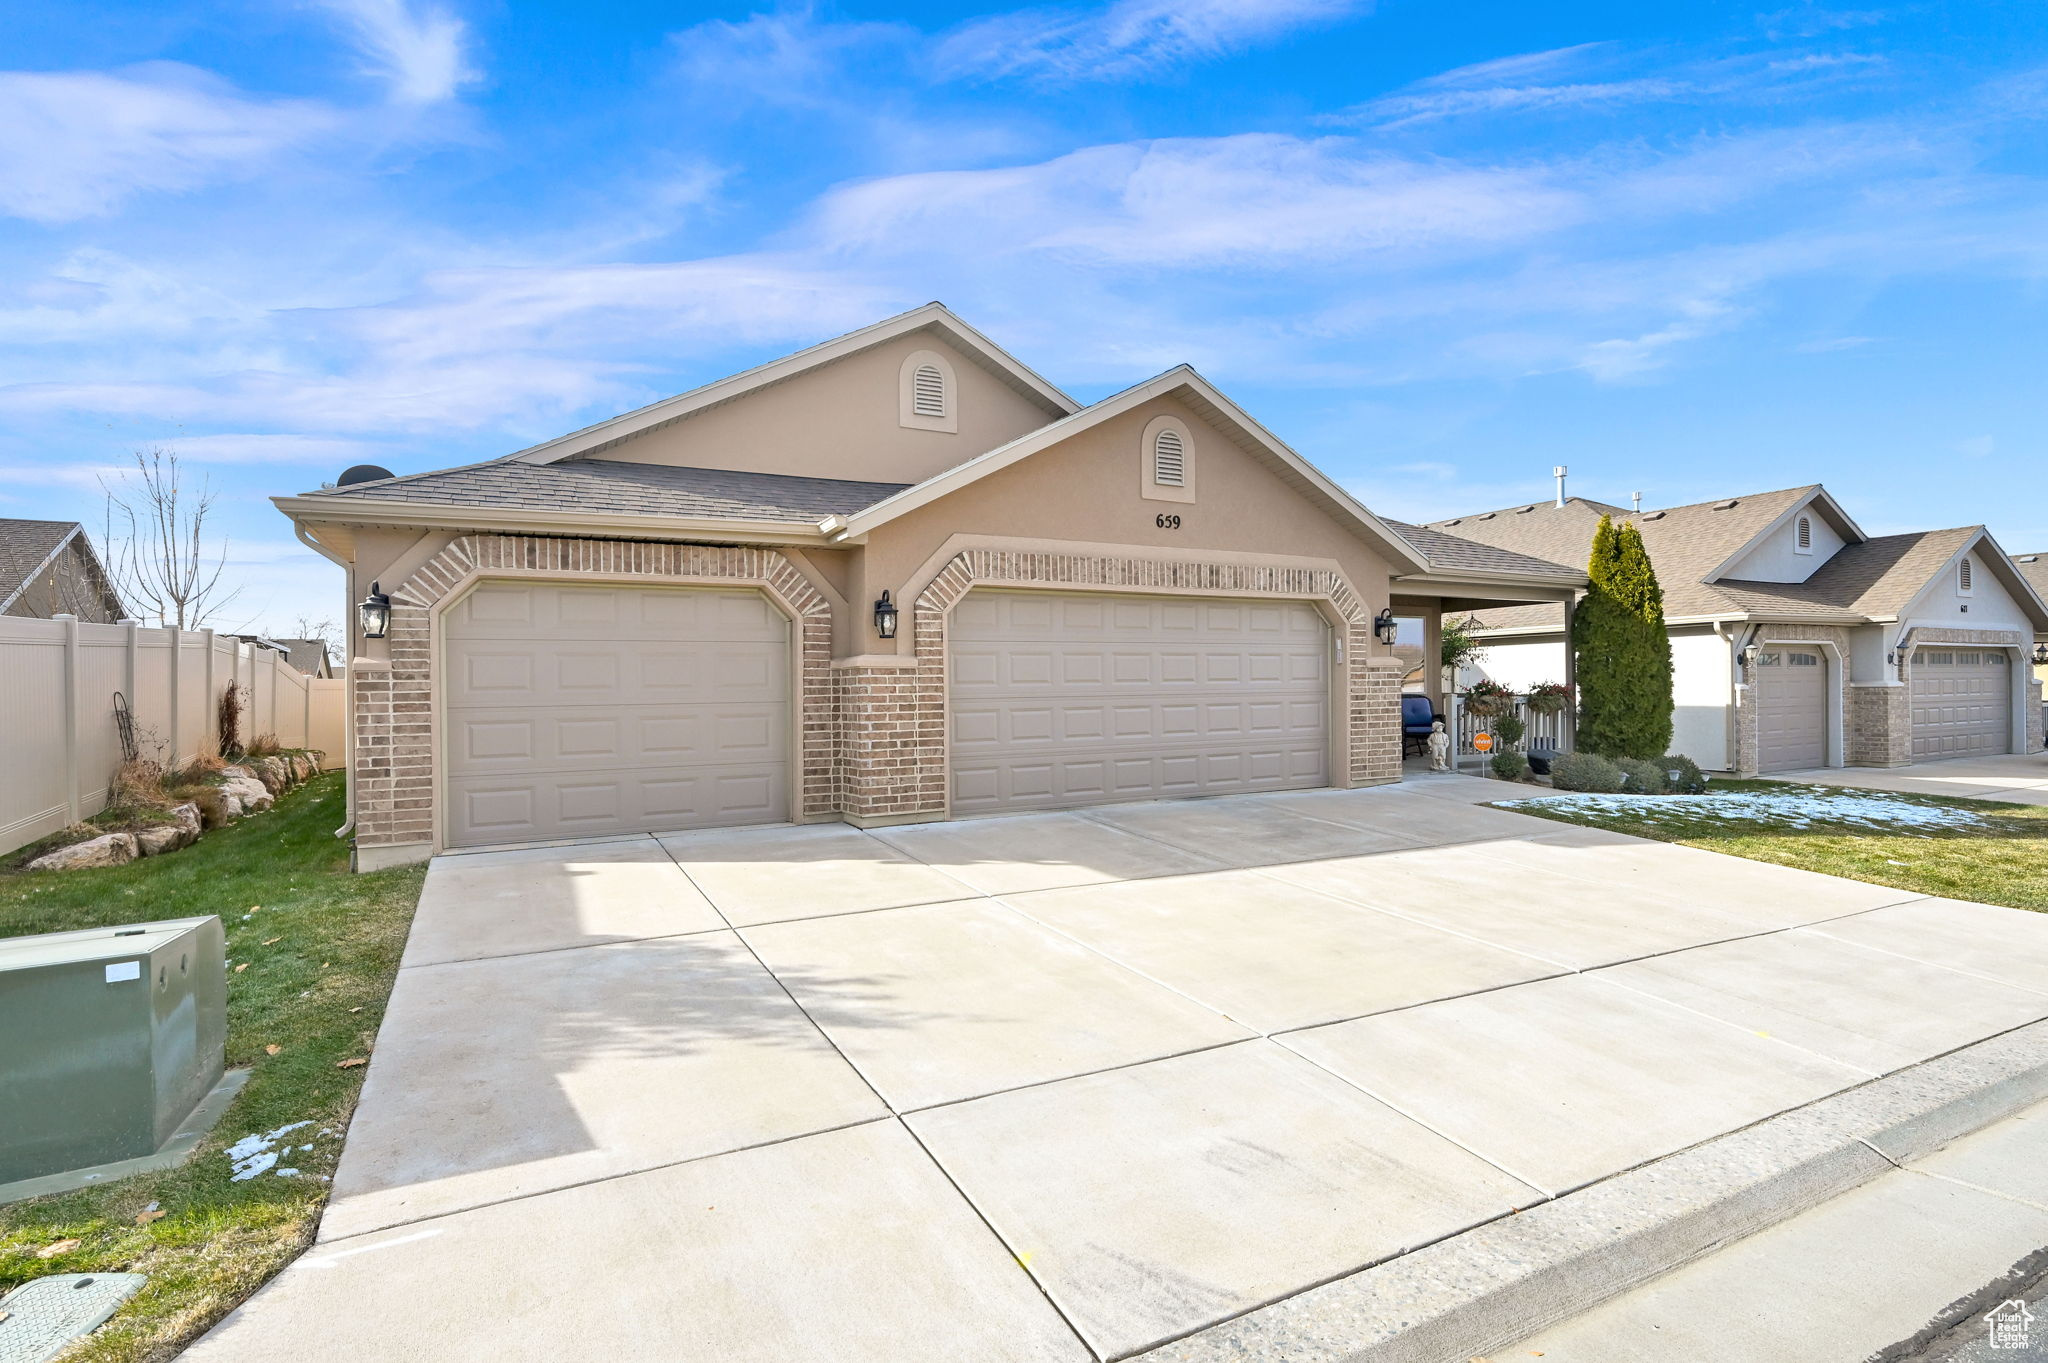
(155, 543)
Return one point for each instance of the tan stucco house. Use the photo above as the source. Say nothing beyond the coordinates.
(895, 577)
(1797, 640)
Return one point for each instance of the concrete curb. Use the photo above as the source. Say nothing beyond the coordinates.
(1504, 1281)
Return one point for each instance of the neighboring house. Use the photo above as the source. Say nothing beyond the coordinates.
(2034, 568)
(308, 655)
(48, 568)
(892, 578)
(1797, 640)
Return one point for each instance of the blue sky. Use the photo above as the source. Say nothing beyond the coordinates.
(1687, 250)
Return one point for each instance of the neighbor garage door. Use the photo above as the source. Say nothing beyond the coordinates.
(1061, 700)
(574, 711)
(1962, 702)
(1792, 708)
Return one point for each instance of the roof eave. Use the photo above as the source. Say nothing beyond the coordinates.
(437, 515)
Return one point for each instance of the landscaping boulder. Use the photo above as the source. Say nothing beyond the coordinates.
(242, 784)
(170, 837)
(158, 839)
(111, 849)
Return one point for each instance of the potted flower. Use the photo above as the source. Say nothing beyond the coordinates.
(1485, 699)
(1547, 698)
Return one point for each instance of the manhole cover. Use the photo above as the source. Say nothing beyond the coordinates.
(39, 1318)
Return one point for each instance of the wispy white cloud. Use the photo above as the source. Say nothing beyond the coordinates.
(78, 144)
(1185, 203)
(419, 50)
(1126, 37)
(1599, 75)
(786, 56)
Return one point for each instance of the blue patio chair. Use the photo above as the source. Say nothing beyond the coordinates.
(1417, 717)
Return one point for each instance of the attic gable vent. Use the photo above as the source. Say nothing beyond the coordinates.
(1169, 459)
(1724, 506)
(928, 391)
(1805, 534)
(1963, 575)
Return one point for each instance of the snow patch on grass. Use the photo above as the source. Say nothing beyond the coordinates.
(255, 1154)
(1877, 813)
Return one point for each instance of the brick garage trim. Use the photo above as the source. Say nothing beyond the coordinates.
(396, 745)
(1834, 644)
(2018, 645)
(894, 763)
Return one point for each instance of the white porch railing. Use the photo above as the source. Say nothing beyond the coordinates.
(1539, 730)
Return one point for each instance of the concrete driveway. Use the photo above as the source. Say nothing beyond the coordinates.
(1065, 1086)
(2018, 778)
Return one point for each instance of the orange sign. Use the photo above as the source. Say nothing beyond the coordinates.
(1483, 741)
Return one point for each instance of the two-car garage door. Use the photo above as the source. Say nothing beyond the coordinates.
(576, 711)
(583, 710)
(1061, 699)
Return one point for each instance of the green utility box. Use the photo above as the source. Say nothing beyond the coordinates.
(108, 1039)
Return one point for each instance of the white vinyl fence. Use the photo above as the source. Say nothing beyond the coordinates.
(1553, 731)
(60, 742)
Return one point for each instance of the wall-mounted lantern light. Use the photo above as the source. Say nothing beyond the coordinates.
(373, 612)
(885, 617)
(2041, 655)
(1385, 628)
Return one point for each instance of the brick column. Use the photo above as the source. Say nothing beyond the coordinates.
(892, 739)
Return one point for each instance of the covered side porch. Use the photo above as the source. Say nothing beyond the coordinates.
(1424, 604)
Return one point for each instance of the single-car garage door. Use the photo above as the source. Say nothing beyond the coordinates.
(575, 711)
(1962, 702)
(1792, 708)
(1073, 699)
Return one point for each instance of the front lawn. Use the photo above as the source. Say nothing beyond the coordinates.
(1985, 850)
(320, 947)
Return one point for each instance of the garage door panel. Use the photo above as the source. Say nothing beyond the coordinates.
(534, 807)
(1139, 698)
(573, 711)
(1962, 702)
(1790, 686)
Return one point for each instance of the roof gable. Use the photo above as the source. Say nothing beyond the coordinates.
(934, 316)
(1206, 401)
(1816, 501)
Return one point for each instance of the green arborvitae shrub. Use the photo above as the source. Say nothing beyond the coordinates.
(1585, 771)
(1509, 766)
(1642, 778)
(1683, 776)
(1623, 654)
(1508, 729)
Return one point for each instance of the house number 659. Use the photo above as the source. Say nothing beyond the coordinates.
(1165, 522)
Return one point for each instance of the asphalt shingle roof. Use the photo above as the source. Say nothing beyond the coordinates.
(24, 545)
(1453, 552)
(1879, 577)
(612, 486)
(1685, 544)
(2034, 568)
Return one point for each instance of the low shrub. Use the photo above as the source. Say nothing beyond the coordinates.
(263, 745)
(139, 783)
(1642, 778)
(1509, 766)
(1682, 775)
(1509, 730)
(1585, 771)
